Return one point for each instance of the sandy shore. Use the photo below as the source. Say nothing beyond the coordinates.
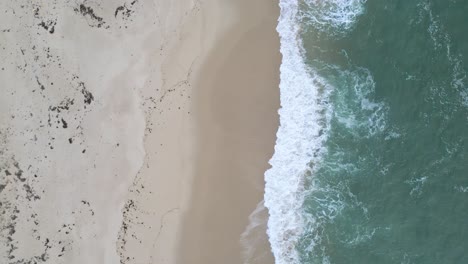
(135, 131)
(235, 103)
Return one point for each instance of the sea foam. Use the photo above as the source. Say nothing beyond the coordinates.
(442, 42)
(333, 17)
(304, 118)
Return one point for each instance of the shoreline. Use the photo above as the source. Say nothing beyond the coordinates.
(236, 98)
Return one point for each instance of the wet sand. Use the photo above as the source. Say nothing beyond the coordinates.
(235, 105)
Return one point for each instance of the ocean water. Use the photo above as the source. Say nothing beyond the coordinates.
(371, 160)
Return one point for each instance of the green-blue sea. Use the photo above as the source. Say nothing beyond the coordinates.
(371, 161)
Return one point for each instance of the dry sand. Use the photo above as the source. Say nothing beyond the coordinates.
(105, 157)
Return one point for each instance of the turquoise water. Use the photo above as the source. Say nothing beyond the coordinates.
(385, 179)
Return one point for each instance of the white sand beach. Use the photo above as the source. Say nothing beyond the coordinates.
(135, 131)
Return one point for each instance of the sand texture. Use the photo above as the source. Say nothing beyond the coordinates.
(116, 115)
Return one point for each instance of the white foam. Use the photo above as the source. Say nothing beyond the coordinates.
(304, 118)
(461, 189)
(442, 40)
(333, 16)
(357, 109)
(417, 185)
